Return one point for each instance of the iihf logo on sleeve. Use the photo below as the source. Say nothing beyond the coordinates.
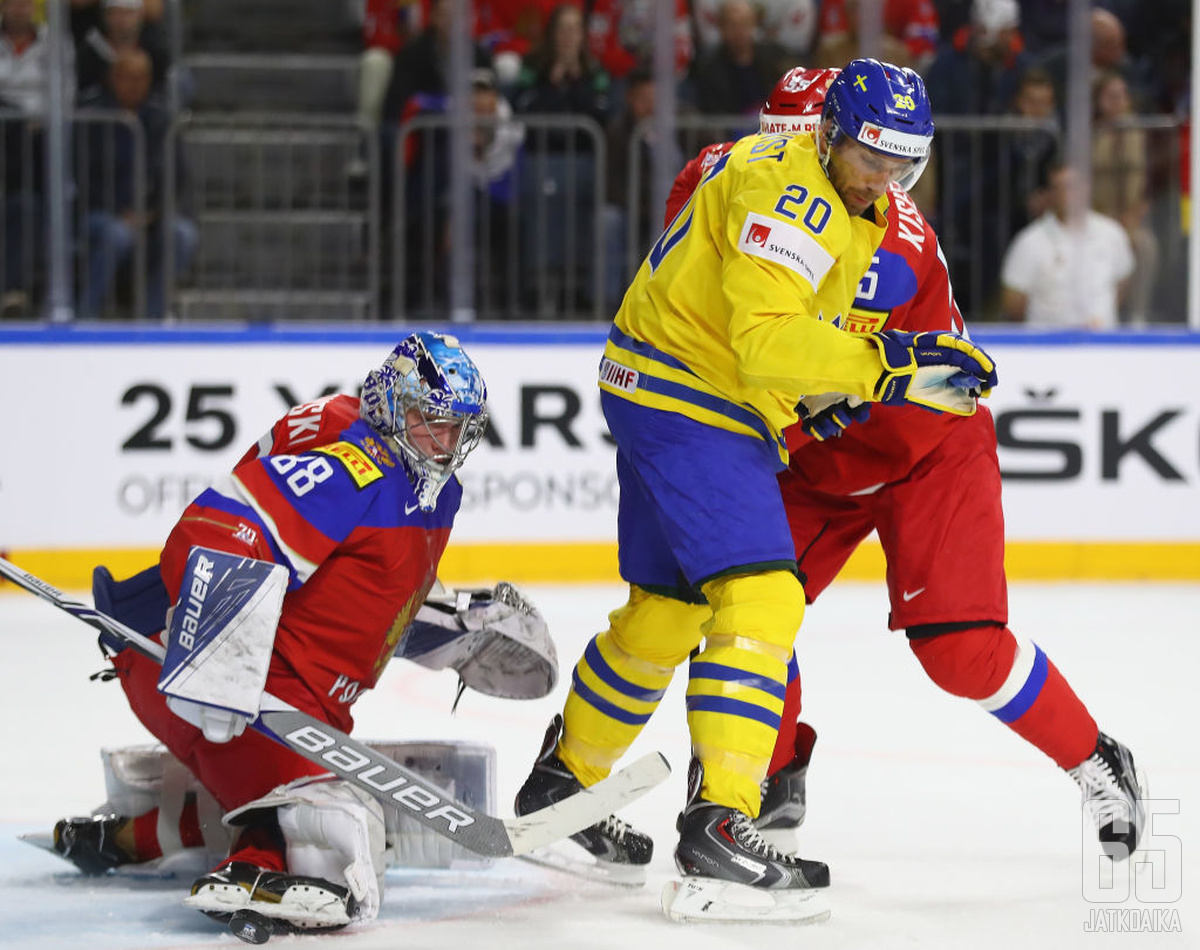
(1152, 875)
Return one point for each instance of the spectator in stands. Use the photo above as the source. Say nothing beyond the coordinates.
(910, 33)
(788, 24)
(1044, 25)
(621, 38)
(1120, 184)
(1159, 40)
(384, 32)
(1059, 274)
(114, 223)
(735, 76)
(559, 77)
(1031, 152)
(419, 69)
(496, 148)
(24, 84)
(953, 15)
(977, 72)
(420, 65)
(1109, 53)
(122, 27)
(622, 129)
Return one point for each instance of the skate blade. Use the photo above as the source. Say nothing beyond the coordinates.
(709, 899)
(581, 864)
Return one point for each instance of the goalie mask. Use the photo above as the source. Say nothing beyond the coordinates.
(882, 107)
(430, 401)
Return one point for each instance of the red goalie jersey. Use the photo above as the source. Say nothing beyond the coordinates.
(323, 495)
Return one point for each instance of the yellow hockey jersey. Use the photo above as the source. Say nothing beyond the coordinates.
(734, 314)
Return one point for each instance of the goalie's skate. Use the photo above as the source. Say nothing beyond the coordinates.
(290, 901)
(91, 843)
(784, 802)
(609, 851)
(732, 873)
(1113, 790)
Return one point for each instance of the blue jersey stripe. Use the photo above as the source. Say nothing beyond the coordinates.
(1019, 705)
(653, 384)
(211, 498)
(733, 707)
(610, 677)
(602, 705)
(729, 674)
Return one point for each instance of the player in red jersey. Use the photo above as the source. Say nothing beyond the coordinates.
(893, 472)
(335, 521)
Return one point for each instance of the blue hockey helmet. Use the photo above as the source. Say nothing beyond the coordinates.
(882, 107)
(427, 382)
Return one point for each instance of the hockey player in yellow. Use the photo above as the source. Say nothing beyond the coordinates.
(732, 320)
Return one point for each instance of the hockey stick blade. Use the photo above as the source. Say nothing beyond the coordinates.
(389, 781)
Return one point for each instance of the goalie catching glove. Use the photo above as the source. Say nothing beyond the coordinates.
(494, 639)
(944, 372)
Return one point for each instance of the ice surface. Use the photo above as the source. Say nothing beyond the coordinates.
(942, 828)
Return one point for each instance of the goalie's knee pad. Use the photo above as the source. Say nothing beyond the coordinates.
(334, 831)
(974, 663)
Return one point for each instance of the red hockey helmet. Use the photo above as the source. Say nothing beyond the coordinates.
(795, 103)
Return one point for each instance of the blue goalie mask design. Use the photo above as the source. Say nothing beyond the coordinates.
(430, 401)
(882, 107)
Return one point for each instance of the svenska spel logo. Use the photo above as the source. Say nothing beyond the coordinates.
(758, 234)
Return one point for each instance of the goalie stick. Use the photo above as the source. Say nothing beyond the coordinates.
(389, 781)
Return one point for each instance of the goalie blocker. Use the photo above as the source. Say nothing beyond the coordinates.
(219, 640)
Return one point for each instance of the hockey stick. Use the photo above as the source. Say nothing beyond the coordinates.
(389, 781)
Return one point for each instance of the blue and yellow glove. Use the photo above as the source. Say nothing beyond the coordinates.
(944, 372)
(827, 415)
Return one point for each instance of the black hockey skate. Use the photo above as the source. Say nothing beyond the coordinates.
(716, 841)
(1111, 782)
(91, 843)
(731, 873)
(783, 794)
(617, 848)
(290, 901)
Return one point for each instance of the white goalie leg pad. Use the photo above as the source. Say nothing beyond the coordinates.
(140, 778)
(710, 899)
(334, 831)
(463, 770)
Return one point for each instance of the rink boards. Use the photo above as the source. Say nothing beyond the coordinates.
(108, 434)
